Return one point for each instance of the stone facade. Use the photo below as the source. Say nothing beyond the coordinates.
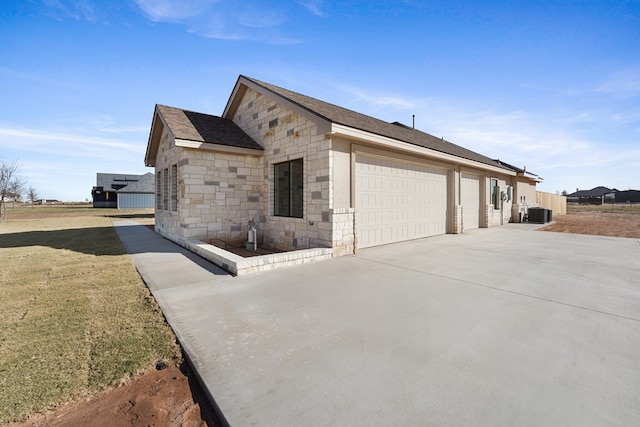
(210, 192)
(219, 192)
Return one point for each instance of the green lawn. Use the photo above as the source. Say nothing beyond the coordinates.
(75, 316)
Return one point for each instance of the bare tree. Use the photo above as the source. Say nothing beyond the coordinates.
(32, 195)
(11, 185)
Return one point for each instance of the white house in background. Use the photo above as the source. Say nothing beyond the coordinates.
(312, 174)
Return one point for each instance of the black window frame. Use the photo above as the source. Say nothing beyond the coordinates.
(288, 189)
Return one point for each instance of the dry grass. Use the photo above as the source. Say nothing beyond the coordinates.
(75, 316)
(625, 209)
(600, 220)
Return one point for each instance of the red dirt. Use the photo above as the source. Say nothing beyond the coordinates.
(169, 397)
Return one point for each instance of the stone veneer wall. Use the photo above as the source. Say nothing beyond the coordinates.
(456, 226)
(343, 236)
(286, 135)
(217, 193)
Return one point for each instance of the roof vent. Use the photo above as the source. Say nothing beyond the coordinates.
(402, 125)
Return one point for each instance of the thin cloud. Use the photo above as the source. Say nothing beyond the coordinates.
(622, 84)
(378, 102)
(173, 11)
(79, 10)
(313, 6)
(256, 20)
(68, 144)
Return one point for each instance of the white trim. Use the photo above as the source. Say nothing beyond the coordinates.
(217, 147)
(360, 135)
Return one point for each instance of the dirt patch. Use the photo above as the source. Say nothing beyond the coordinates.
(622, 223)
(168, 397)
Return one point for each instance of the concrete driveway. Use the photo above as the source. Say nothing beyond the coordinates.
(501, 326)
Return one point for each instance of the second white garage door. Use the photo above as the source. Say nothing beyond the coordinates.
(398, 201)
(470, 189)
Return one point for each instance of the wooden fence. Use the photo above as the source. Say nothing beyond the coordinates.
(555, 202)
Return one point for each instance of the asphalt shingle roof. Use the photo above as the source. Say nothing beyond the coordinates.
(108, 180)
(594, 192)
(146, 184)
(346, 117)
(199, 127)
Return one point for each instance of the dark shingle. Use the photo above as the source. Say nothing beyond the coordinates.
(146, 184)
(199, 127)
(346, 117)
(594, 192)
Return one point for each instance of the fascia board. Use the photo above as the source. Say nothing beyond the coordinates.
(207, 146)
(155, 135)
(383, 141)
(152, 144)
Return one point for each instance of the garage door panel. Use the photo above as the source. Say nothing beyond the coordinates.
(470, 192)
(411, 201)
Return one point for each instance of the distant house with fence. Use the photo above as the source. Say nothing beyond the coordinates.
(626, 196)
(596, 196)
(124, 191)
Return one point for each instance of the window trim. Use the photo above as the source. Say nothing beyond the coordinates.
(293, 191)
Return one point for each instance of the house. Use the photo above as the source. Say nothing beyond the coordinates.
(312, 174)
(595, 196)
(124, 191)
(626, 196)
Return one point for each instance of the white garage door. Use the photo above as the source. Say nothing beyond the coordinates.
(470, 189)
(398, 201)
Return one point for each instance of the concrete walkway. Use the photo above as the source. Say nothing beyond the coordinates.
(501, 326)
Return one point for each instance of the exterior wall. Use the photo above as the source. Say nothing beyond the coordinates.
(217, 193)
(105, 199)
(286, 135)
(136, 200)
(503, 214)
(524, 198)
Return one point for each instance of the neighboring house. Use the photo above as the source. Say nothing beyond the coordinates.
(595, 196)
(46, 202)
(124, 191)
(312, 174)
(626, 196)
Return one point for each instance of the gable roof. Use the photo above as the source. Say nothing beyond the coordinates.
(199, 127)
(108, 180)
(334, 114)
(520, 171)
(594, 192)
(146, 184)
(196, 130)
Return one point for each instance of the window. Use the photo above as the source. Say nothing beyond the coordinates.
(495, 193)
(165, 189)
(159, 190)
(288, 186)
(174, 188)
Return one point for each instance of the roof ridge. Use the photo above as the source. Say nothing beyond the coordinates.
(351, 118)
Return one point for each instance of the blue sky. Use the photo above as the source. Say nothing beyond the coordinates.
(550, 85)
